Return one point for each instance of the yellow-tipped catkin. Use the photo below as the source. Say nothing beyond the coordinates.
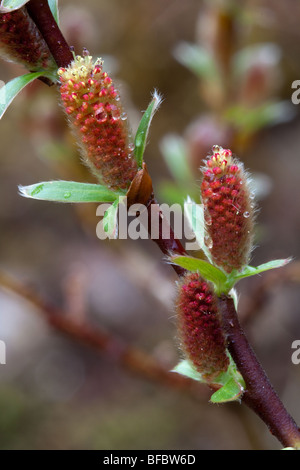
(93, 106)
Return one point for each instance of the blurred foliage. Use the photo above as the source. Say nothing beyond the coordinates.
(238, 86)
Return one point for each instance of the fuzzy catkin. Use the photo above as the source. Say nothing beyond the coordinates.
(199, 326)
(93, 106)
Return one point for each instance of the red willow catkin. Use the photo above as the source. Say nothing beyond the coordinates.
(199, 326)
(22, 43)
(228, 210)
(93, 106)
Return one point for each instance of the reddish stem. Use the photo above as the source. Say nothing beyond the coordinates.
(41, 14)
(259, 395)
(130, 357)
(170, 245)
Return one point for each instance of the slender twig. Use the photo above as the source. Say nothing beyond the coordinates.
(259, 394)
(168, 245)
(41, 14)
(131, 358)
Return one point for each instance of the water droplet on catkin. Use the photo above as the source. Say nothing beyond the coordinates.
(208, 219)
(208, 242)
(246, 214)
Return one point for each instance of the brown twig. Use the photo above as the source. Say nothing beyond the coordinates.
(141, 192)
(259, 394)
(41, 14)
(131, 358)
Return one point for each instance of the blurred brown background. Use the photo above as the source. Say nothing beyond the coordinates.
(58, 394)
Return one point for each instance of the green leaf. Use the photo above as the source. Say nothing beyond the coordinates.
(223, 282)
(231, 391)
(197, 59)
(248, 271)
(10, 5)
(251, 120)
(143, 129)
(171, 193)
(110, 219)
(207, 270)
(9, 91)
(173, 149)
(53, 4)
(274, 264)
(231, 382)
(68, 191)
(195, 216)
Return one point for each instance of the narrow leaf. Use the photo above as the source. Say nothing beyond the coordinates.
(185, 368)
(53, 4)
(174, 151)
(274, 264)
(68, 191)
(10, 5)
(171, 193)
(248, 271)
(207, 270)
(143, 129)
(267, 114)
(231, 382)
(9, 91)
